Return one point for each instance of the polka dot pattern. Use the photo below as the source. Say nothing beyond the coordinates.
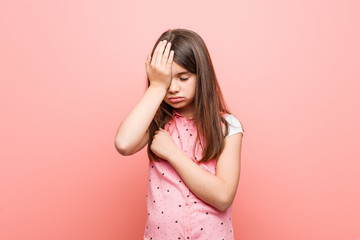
(174, 212)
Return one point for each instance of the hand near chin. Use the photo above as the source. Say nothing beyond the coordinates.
(158, 67)
(163, 145)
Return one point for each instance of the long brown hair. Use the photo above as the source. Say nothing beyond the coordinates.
(192, 54)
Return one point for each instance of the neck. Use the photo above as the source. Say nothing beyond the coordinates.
(187, 112)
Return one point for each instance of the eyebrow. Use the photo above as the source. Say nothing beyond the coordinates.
(180, 73)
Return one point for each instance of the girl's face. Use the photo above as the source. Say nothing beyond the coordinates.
(181, 92)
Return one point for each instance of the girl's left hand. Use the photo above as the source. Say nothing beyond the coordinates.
(163, 145)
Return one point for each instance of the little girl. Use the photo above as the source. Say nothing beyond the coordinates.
(194, 143)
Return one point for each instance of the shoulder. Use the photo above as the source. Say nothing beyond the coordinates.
(234, 125)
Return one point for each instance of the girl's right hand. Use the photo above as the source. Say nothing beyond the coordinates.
(158, 68)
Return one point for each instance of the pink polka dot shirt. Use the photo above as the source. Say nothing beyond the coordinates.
(174, 212)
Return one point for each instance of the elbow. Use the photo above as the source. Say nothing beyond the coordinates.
(122, 148)
(223, 207)
(224, 202)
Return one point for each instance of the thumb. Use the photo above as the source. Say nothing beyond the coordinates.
(147, 62)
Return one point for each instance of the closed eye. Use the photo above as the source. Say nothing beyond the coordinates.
(183, 79)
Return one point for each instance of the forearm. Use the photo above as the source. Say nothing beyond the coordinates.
(133, 128)
(208, 187)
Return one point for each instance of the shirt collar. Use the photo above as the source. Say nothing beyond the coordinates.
(175, 113)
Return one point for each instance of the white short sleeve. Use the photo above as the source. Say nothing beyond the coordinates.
(234, 125)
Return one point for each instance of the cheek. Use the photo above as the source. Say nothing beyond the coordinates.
(193, 88)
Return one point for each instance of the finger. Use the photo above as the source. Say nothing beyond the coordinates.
(170, 59)
(160, 53)
(163, 130)
(153, 60)
(166, 53)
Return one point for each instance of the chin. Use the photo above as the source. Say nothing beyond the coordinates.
(177, 106)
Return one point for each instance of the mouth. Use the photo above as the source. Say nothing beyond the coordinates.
(175, 99)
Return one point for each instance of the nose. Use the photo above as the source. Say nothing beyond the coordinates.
(174, 87)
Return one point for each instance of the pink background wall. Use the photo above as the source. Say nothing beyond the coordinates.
(71, 70)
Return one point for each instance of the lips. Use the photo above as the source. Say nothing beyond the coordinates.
(176, 99)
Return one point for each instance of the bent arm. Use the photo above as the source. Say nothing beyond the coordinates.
(132, 133)
(217, 190)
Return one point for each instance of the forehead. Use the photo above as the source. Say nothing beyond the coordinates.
(176, 69)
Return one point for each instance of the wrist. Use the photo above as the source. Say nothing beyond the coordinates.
(158, 87)
(175, 155)
(156, 92)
